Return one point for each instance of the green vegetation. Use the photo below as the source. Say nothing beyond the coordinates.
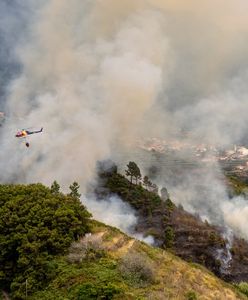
(243, 287)
(146, 182)
(237, 186)
(169, 237)
(50, 249)
(191, 295)
(172, 227)
(55, 187)
(133, 171)
(130, 270)
(169, 205)
(74, 187)
(93, 291)
(36, 224)
(95, 279)
(137, 196)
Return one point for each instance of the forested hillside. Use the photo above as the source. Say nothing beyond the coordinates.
(51, 249)
(175, 229)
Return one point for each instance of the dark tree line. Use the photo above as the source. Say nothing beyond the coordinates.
(133, 171)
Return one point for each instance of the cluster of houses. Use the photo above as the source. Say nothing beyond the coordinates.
(234, 159)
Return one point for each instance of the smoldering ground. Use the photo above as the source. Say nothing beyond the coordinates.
(98, 75)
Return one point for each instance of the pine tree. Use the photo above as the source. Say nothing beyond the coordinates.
(74, 187)
(169, 237)
(137, 175)
(133, 171)
(55, 187)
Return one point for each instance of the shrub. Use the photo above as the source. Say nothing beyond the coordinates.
(243, 287)
(191, 295)
(169, 205)
(88, 248)
(136, 268)
(102, 291)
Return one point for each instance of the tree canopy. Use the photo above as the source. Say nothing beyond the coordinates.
(74, 187)
(133, 171)
(36, 223)
(55, 187)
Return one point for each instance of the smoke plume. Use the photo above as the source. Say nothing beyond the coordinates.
(113, 211)
(98, 75)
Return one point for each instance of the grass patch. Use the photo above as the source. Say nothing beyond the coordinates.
(243, 288)
(191, 295)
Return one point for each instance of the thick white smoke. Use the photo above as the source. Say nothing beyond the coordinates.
(236, 215)
(206, 195)
(97, 75)
(113, 211)
(89, 91)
